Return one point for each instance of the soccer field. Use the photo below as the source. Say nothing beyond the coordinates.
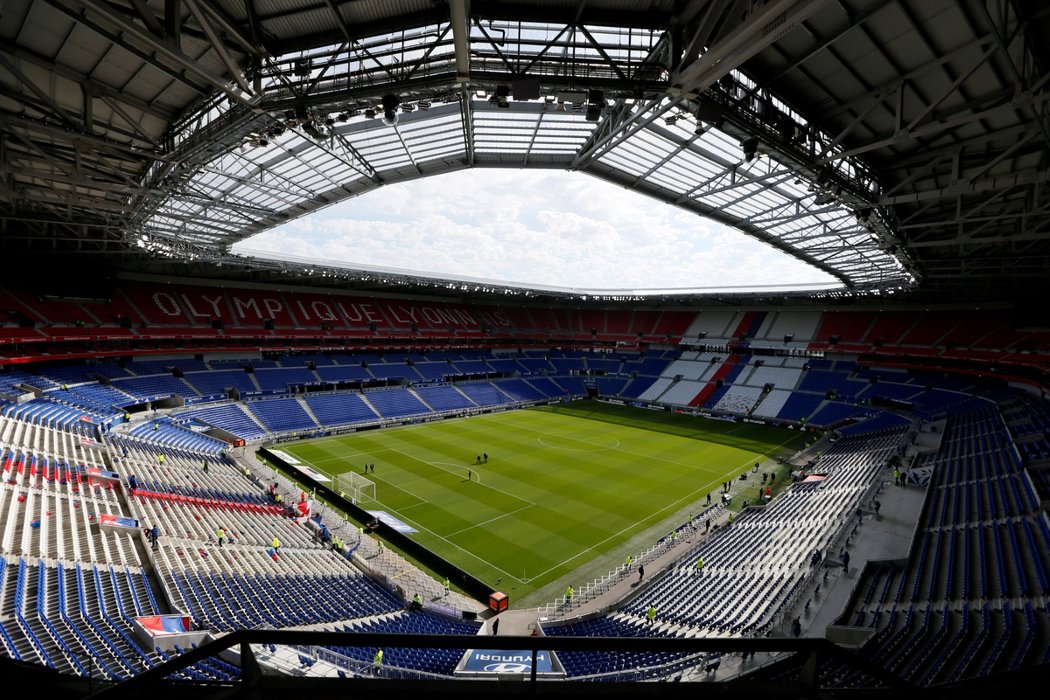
(566, 487)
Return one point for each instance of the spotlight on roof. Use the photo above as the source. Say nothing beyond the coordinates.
(750, 146)
(313, 131)
(390, 103)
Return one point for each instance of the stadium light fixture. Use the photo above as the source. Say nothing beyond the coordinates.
(750, 146)
(390, 103)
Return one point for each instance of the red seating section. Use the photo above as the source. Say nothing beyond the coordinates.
(147, 317)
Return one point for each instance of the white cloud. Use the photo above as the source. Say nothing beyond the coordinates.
(548, 228)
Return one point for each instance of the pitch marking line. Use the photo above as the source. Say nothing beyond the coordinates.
(490, 520)
(618, 448)
(509, 575)
(450, 543)
(669, 507)
(591, 446)
(422, 528)
(458, 470)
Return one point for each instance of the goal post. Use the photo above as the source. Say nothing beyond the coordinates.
(355, 487)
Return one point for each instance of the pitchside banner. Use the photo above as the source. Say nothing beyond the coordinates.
(392, 522)
(506, 662)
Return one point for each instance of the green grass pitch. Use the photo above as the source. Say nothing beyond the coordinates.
(568, 488)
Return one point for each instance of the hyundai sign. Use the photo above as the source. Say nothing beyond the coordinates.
(496, 662)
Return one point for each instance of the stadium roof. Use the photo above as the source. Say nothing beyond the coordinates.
(901, 147)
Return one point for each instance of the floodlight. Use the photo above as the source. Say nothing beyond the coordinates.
(390, 103)
(750, 146)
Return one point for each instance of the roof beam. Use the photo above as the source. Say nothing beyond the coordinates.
(459, 14)
(168, 53)
(762, 28)
(97, 88)
(932, 129)
(220, 50)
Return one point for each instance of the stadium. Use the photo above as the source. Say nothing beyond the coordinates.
(235, 474)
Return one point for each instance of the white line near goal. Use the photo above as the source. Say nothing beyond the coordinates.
(357, 487)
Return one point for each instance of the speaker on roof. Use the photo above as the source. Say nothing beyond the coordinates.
(216, 323)
(414, 327)
(710, 112)
(832, 340)
(371, 325)
(124, 321)
(311, 365)
(526, 89)
(268, 324)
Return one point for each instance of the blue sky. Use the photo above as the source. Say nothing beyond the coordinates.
(534, 227)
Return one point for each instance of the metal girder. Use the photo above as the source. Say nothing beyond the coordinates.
(216, 44)
(458, 18)
(755, 33)
(963, 117)
(96, 88)
(117, 40)
(969, 187)
(950, 150)
(166, 51)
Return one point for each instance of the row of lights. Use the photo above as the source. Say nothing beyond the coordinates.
(592, 103)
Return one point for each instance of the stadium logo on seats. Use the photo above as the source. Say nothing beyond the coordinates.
(506, 668)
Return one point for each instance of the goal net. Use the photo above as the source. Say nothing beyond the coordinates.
(355, 487)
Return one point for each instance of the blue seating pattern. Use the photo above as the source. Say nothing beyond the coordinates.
(281, 414)
(341, 408)
(484, 393)
(440, 661)
(228, 417)
(395, 403)
(444, 397)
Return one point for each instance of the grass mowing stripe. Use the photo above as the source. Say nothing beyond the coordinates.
(450, 471)
(541, 509)
(491, 520)
(687, 498)
(544, 439)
